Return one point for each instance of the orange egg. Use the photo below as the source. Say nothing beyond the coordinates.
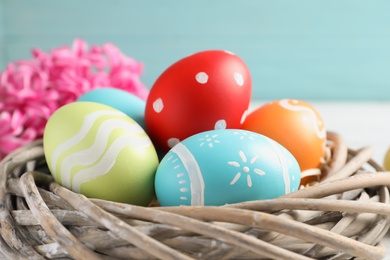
(294, 124)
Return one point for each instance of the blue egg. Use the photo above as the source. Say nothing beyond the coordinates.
(124, 101)
(225, 166)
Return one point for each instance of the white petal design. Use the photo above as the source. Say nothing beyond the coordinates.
(259, 172)
(242, 155)
(236, 164)
(238, 175)
(249, 180)
(254, 159)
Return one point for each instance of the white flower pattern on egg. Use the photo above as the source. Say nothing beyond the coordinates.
(245, 134)
(209, 140)
(217, 167)
(245, 168)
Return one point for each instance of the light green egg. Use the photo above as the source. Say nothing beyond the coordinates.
(99, 151)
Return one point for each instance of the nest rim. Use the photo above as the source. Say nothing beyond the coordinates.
(343, 175)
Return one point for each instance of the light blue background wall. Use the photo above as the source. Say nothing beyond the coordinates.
(2, 34)
(333, 49)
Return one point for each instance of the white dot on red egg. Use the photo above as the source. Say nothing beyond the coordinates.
(220, 124)
(202, 77)
(238, 78)
(172, 142)
(243, 117)
(158, 105)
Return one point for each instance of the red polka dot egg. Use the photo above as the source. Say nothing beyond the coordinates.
(207, 90)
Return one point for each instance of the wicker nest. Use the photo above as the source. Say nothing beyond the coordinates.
(343, 216)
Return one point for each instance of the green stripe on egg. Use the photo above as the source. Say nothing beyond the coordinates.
(100, 152)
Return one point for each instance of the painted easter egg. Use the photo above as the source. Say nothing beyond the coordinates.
(386, 160)
(120, 99)
(226, 166)
(296, 125)
(204, 91)
(100, 152)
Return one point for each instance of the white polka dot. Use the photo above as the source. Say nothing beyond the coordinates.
(220, 124)
(238, 78)
(172, 142)
(243, 117)
(202, 77)
(158, 105)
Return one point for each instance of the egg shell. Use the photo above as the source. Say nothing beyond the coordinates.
(386, 160)
(220, 167)
(100, 152)
(204, 91)
(119, 99)
(296, 125)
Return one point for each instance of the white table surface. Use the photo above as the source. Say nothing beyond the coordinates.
(361, 124)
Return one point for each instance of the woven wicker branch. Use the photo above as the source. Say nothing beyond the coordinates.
(343, 216)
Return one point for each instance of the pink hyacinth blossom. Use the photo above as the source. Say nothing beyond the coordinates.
(31, 90)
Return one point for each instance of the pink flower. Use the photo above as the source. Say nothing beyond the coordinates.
(31, 90)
